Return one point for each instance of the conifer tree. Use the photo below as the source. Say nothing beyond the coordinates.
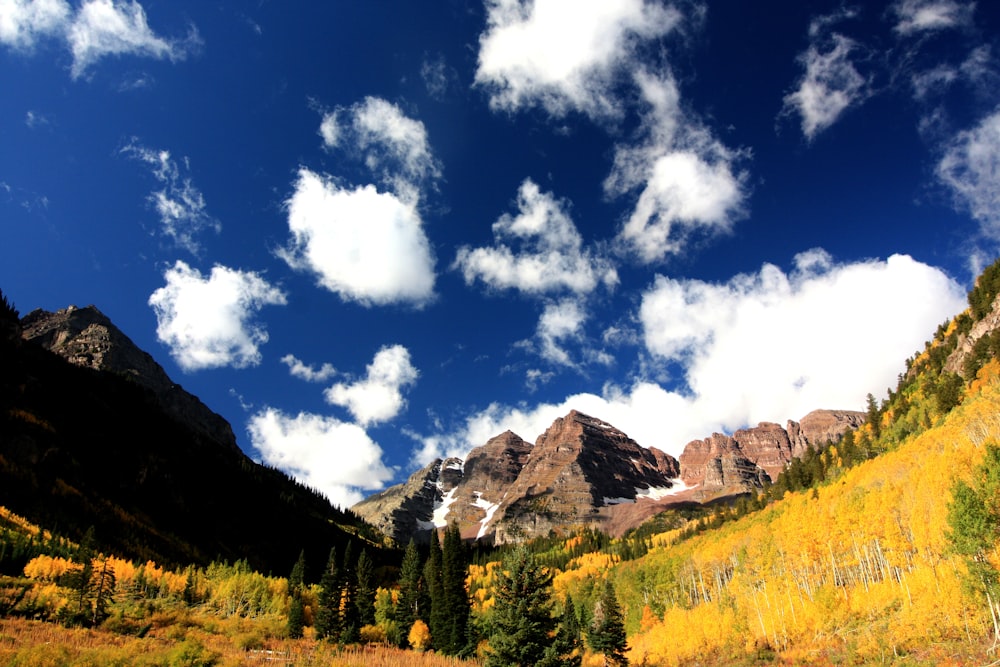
(522, 622)
(350, 627)
(327, 621)
(364, 599)
(409, 588)
(296, 608)
(607, 634)
(438, 615)
(456, 600)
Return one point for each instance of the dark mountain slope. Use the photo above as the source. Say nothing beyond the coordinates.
(81, 447)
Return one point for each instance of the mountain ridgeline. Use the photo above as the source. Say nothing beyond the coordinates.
(585, 473)
(95, 434)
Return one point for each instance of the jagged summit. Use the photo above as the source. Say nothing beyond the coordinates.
(583, 471)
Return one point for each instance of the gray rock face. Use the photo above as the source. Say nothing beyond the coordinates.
(401, 510)
(86, 337)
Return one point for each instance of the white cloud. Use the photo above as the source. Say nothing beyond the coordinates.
(970, 167)
(337, 459)
(180, 204)
(688, 179)
(306, 372)
(394, 146)
(764, 347)
(559, 321)
(378, 397)
(553, 258)
(364, 245)
(208, 322)
(438, 76)
(564, 55)
(24, 22)
(98, 28)
(916, 16)
(830, 85)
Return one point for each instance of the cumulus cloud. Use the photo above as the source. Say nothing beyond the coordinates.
(180, 205)
(335, 458)
(394, 146)
(970, 167)
(831, 82)
(364, 245)
(304, 371)
(98, 28)
(559, 321)
(552, 256)
(918, 16)
(209, 322)
(688, 179)
(764, 347)
(379, 396)
(564, 56)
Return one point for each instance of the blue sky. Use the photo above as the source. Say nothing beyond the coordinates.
(372, 233)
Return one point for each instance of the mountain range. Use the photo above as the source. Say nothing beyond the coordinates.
(583, 472)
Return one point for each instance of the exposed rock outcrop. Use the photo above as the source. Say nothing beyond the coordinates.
(86, 337)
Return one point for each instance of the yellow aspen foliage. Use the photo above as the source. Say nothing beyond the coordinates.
(419, 636)
(46, 568)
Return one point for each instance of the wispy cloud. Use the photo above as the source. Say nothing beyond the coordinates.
(95, 30)
(438, 76)
(304, 371)
(564, 56)
(970, 168)
(393, 146)
(208, 322)
(920, 16)
(364, 245)
(552, 256)
(378, 397)
(180, 205)
(689, 181)
(333, 457)
(831, 83)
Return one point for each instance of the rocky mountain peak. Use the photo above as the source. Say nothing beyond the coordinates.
(87, 337)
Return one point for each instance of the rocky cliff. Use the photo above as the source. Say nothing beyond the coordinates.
(585, 472)
(86, 337)
(722, 464)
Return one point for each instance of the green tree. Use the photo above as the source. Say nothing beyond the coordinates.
(522, 623)
(409, 587)
(974, 528)
(607, 633)
(566, 649)
(364, 599)
(296, 607)
(437, 620)
(454, 570)
(327, 621)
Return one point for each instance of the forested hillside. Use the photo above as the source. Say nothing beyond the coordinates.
(881, 547)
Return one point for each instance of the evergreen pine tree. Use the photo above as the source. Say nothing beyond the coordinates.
(437, 620)
(364, 598)
(607, 634)
(522, 622)
(327, 621)
(566, 649)
(453, 572)
(296, 607)
(350, 628)
(409, 588)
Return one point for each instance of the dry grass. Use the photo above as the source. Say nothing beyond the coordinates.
(38, 644)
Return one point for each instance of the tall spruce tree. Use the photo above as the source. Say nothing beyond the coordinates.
(454, 570)
(410, 607)
(327, 622)
(522, 623)
(364, 599)
(607, 634)
(296, 606)
(350, 622)
(566, 649)
(437, 620)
